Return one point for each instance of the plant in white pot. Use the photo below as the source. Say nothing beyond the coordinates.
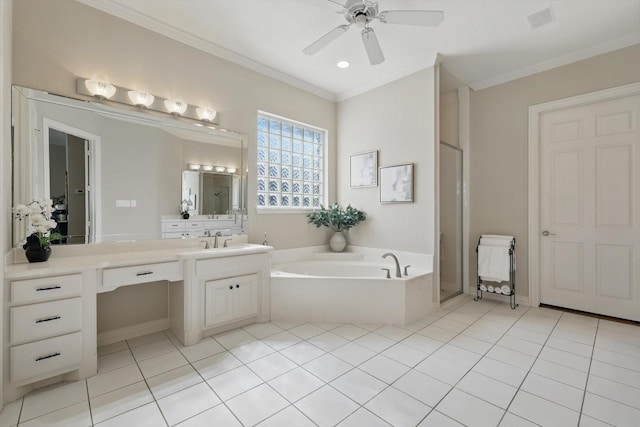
(338, 220)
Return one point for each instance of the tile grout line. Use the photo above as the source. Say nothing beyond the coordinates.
(586, 383)
(146, 383)
(528, 372)
(478, 361)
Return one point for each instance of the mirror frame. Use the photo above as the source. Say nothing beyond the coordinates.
(28, 163)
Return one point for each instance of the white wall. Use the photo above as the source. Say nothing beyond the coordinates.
(399, 120)
(499, 144)
(57, 41)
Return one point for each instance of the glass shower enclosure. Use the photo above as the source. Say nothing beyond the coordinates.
(450, 238)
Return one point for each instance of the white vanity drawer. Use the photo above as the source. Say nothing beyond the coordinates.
(47, 319)
(123, 276)
(51, 356)
(46, 288)
(173, 226)
(191, 225)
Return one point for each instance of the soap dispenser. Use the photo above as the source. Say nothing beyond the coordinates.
(265, 242)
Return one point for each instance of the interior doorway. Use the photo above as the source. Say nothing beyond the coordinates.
(450, 237)
(68, 178)
(584, 229)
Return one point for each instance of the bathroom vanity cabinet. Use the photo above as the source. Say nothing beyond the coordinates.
(50, 311)
(47, 321)
(229, 299)
(201, 226)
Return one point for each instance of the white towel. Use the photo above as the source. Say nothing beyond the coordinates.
(497, 236)
(491, 241)
(506, 290)
(497, 290)
(490, 288)
(483, 288)
(493, 263)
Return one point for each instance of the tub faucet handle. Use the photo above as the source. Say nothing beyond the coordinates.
(388, 273)
(406, 273)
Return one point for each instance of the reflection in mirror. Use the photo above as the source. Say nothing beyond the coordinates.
(211, 193)
(113, 173)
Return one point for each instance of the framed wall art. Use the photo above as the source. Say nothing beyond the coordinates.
(363, 169)
(396, 183)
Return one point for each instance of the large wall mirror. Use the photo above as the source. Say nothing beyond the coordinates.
(113, 173)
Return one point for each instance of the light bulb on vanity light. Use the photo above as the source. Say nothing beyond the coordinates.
(141, 99)
(206, 114)
(175, 107)
(101, 90)
(207, 168)
(220, 168)
(194, 167)
(231, 170)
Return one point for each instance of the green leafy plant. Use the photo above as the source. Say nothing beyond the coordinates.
(336, 218)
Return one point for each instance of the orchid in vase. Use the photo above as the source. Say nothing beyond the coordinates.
(40, 224)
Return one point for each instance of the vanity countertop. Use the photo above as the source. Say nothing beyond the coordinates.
(65, 264)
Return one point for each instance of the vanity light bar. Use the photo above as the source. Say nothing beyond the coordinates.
(208, 168)
(107, 92)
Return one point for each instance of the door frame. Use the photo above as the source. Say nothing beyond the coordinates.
(535, 113)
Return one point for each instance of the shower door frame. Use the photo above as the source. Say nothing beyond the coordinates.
(463, 259)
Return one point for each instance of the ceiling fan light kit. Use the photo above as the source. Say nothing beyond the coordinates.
(362, 13)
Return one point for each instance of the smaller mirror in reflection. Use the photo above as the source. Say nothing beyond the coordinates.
(211, 193)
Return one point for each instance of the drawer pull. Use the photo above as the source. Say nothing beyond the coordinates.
(48, 319)
(144, 273)
(48, 288)
(48, 356)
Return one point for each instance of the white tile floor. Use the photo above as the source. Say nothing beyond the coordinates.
(481, 364)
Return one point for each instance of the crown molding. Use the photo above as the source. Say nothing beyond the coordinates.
(575, 56)
(199, 43)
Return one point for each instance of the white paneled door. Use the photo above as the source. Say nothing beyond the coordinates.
(590, 208)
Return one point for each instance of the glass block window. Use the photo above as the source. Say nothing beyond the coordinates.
(291, 164)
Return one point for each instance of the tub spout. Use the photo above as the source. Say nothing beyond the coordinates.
(398, 273)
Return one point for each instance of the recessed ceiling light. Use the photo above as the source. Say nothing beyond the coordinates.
(343, 64)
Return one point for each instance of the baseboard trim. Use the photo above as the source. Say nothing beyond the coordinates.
(116, 335)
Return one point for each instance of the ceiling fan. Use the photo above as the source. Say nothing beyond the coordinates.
(362, 13)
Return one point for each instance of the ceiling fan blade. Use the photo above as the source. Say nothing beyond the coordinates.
(314, 47)
(424, 18)
(374, 51)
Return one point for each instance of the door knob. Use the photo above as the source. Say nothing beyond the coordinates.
(545, 233)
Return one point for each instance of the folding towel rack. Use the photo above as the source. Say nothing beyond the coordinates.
(512, 276)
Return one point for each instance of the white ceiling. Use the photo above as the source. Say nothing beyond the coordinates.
(481, 42)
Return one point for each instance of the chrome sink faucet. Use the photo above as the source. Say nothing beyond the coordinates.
(398, 273)
(215, 242)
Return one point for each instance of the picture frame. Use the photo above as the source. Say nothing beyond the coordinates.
(363, 169)
(396, 183)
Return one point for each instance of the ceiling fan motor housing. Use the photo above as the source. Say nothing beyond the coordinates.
(360, 12)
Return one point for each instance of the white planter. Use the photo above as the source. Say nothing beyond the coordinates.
(338, 242)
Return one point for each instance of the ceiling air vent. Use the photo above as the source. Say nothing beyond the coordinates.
(538, 19)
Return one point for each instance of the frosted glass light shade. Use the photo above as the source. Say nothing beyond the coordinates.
(207, 168)
(231, 170)
(206, 114)
(101, 90)
(175, 106)
(141, 99)
(220, 168)
(194, 167)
